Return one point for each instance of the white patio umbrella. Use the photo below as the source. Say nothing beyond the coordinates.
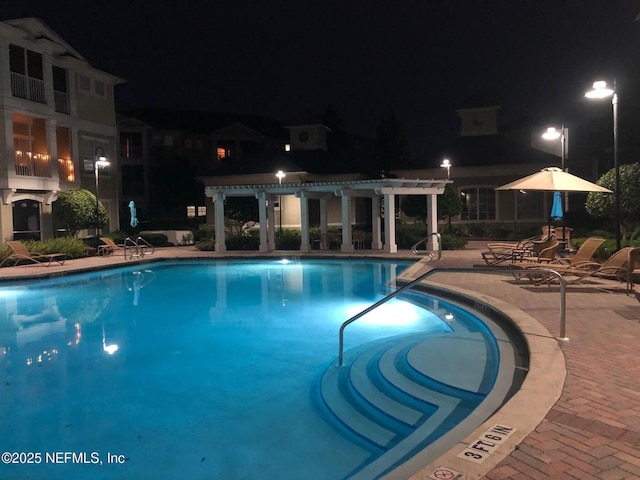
(553, 179)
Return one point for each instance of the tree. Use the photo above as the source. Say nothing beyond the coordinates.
(602, 205)
(392, 148)
(449, 204)
(243, 211)
(75, 210)
(415, 206)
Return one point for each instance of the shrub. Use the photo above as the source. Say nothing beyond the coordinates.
(288, 239)
(208, 245)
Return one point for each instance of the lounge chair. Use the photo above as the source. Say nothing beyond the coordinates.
(109, 247)
(499, 252)
(544, 258)
(583, 255)
(619, 266)
(20, 253)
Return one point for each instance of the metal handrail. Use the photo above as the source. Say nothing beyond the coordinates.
(452, 270)
(415, 250)
(145, 245)
(129, 243)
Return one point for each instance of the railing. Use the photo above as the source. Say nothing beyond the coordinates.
(142, 243)
(541, 271)
(32, 164)
(27, 88)
(138, 247)
(61, 101)
(66, 170)
(415, 250)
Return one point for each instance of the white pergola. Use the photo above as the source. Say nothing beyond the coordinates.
(385, 189)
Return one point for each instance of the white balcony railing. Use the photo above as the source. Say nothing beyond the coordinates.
(61, 100)
(33, 164)
(27, 88)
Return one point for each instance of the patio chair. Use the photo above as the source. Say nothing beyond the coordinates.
(110, 247)
(358, 239)
(499, 252)
(20, 253)
(619, 266)
(544, 258)
(583, 255)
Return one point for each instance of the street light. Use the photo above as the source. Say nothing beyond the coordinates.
(100, 161)
(446, 164)
(553, 133)
(601, 90)
(280, 174)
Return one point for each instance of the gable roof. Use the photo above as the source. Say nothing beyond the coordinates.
(203, 122)
(485, 150)
(318, 162)
(36, 30)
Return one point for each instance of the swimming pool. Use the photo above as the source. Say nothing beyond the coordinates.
(215, 369)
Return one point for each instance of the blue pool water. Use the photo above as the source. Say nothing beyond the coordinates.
(194, 370)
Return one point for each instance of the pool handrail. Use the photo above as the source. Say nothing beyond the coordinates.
(415, 251)
(142, 243)
(452, 270)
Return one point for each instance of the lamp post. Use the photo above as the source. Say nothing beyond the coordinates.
(280, 174)
(100, 161)
(601, 90)
(553, 134)
(446, 164)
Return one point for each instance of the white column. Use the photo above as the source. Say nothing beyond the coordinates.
(221, 245)
(262, 218)
(376, 224)
(304, 224)
(347, 240)
(271, 218)
(432, 221)
(390, 224)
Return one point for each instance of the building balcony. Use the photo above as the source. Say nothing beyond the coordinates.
(32, 164)
(62, 102)
(66, 170)
(27, 88)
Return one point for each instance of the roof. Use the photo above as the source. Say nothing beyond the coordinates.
(485, 150)
(203, 122)
(318, 162)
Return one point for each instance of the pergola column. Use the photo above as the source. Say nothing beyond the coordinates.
(304, 223)
(376, 224)
(271, 219)
(432, 222)
(390, 245)
(218, 201)
(262, 218)
(347, 238)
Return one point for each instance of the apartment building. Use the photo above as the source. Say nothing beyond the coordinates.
(57, 128)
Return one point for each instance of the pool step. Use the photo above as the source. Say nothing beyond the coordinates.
(379, 398)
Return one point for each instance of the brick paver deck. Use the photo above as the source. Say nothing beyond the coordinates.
(593, 430)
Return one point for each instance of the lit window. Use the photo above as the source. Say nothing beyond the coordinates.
(222, 153)
(191, 211)
(202, 211)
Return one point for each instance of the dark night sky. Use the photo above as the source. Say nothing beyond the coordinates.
(282, 59)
